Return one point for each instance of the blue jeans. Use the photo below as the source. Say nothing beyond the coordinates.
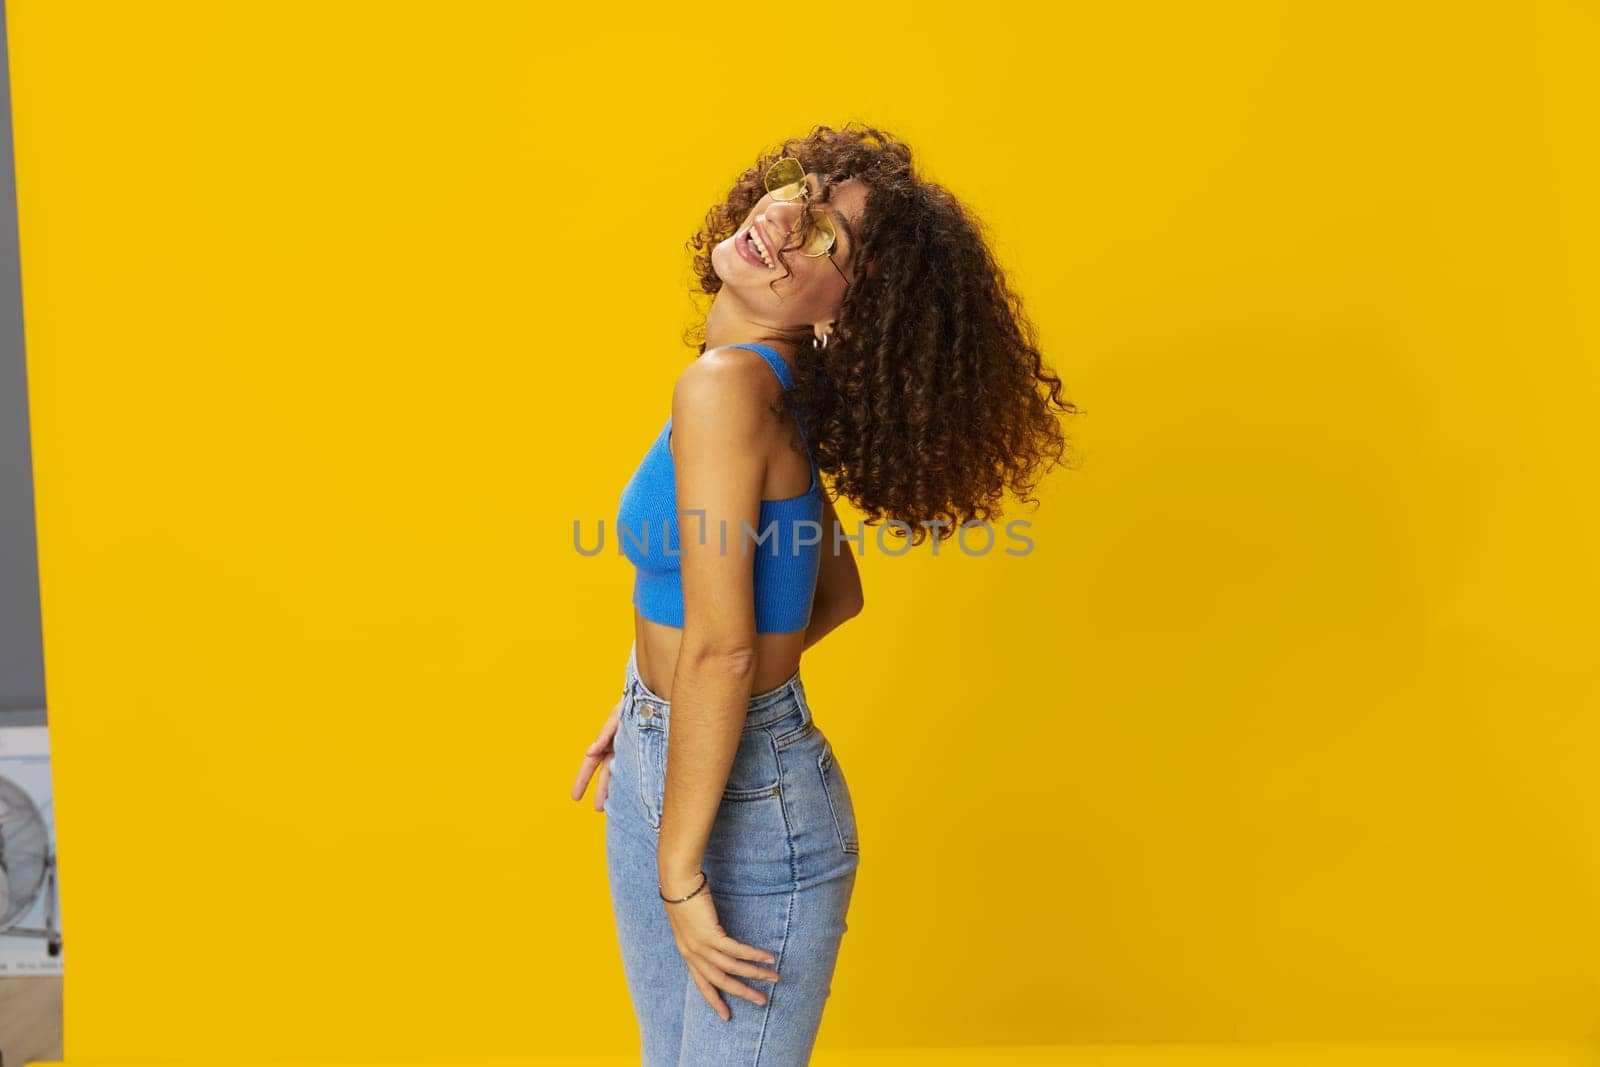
(780, 866)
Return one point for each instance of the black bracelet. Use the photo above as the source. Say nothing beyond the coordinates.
(680, 900)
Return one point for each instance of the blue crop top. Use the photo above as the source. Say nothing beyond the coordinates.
(785, 550)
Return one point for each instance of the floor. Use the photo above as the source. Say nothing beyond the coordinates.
(1533, 1054)
(30, 1020)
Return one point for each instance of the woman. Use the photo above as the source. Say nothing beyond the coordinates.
(859, 327)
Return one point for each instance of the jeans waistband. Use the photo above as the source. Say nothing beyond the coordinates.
(763, 708)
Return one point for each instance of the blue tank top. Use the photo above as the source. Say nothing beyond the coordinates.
(785, 546)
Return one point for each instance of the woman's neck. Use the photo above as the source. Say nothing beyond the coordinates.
(726, 324)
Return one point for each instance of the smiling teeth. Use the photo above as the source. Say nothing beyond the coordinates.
(761, 250)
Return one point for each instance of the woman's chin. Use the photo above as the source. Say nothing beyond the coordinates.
(729, 265)
(729, 268)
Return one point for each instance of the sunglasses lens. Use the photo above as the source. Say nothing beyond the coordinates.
(786, 179)
(820, 237)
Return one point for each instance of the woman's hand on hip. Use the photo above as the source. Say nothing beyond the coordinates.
(599, 754)
(714, 957)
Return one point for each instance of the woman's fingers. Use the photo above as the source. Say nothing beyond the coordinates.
(710, 993)
(724, 981)
(602, 744)
(600, 751)
(720, 967)
(744, 951)
(717, 979)
(586, 771)
(730, 965)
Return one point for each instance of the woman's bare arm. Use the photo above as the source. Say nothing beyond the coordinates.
(718, 426)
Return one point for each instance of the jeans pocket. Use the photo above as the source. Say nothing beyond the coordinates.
(837, 790)
(792, 729)
(754, 772)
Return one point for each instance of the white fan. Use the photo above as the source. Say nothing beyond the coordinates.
(27, 866)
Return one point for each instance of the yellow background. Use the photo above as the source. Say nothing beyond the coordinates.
(339, 315)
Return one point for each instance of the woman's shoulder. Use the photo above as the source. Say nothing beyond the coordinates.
(715, 402)
(725, 375)
(732, 360)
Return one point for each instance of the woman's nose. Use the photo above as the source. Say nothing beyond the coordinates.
(785, 214)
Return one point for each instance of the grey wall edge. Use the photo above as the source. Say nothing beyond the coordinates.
(22, 696)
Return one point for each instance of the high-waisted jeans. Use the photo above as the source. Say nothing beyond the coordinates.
(780, 865)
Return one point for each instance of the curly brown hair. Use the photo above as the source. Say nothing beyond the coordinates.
(931, 399)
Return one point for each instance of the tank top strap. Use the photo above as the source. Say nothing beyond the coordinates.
(785, 378)
(775, 361)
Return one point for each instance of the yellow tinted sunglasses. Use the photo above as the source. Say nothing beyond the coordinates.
(786, 181)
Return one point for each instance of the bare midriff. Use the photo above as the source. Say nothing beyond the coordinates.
(656, 647)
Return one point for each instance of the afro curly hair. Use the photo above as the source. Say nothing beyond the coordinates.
(931, 400)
